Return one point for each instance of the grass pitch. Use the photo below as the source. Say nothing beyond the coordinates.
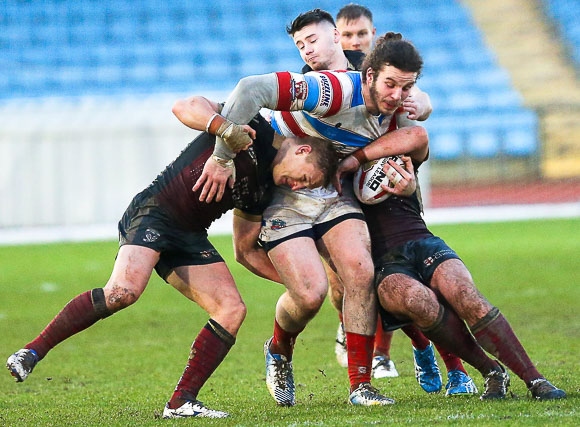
(122, 371)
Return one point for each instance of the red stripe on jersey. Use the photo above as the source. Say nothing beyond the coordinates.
(292, 124)
(393, 124)
(285, 92)
(337, 94)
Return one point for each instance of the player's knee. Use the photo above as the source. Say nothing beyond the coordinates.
(233, 314)
(239, 311)
(359, 274)
(311, 302)
(119, 297)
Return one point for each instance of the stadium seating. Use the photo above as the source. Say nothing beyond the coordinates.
(84, 48)
(566, 17)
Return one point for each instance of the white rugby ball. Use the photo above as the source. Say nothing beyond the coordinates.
(369, 177)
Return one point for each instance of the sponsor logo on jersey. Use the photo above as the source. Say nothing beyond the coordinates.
(151, 235)
(277, 224)
(430, 260)
(300, 90)
(208, 254)
(326, 93)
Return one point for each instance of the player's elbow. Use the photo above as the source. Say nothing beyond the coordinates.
(420, 147)
(240, 256)
(179, 108)
(249, 82)
(243, 250)
(419, 135)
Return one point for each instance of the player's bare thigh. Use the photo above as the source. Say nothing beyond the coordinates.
(454, 282)
(212, 287)
(348, 246)
(301, 269)
(131, 273)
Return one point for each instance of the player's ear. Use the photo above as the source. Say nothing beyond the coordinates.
(370, 75)
(303, 149)
(336, 37)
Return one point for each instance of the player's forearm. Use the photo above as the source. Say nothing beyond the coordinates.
(246, 249)
(412, 141)
(257, 261)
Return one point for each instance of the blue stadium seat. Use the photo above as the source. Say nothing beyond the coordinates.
(565, 14)
(446, 145)
(520, 142)
(483, 144)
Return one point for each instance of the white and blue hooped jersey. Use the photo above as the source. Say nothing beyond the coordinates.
(328, 105)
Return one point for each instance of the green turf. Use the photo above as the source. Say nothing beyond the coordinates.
(123, 370)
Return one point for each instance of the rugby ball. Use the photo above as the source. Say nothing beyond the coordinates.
(369, 177)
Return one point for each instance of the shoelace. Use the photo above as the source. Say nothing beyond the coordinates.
(495, 382)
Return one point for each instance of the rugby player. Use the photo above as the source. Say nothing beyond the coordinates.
(165, 229)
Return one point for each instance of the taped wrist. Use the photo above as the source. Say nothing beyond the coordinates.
(360, 156)
(208, 127)
(225, 163)
(222, 151)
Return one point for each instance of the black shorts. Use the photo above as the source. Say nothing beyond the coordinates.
(417, 259)
(144, 223)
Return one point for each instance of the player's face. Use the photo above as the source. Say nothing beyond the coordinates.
(292, 169)
(388, 89)
(356, 34)
(317, 44)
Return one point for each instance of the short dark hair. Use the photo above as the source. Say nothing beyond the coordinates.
(353, 11)
(313, 16)
(325, 157)
(392, 49)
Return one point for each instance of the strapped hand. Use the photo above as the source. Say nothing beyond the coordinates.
(236, 137)
(404, 184)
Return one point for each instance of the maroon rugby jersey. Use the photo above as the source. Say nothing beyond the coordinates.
(394, 222)
(172, 187)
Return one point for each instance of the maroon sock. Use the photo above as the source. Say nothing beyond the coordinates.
(208, 350)
(382, 341)
(452, 362)
(496, 336)
(451, 333)
(283, 341)
(419, 341)
(81, 312)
